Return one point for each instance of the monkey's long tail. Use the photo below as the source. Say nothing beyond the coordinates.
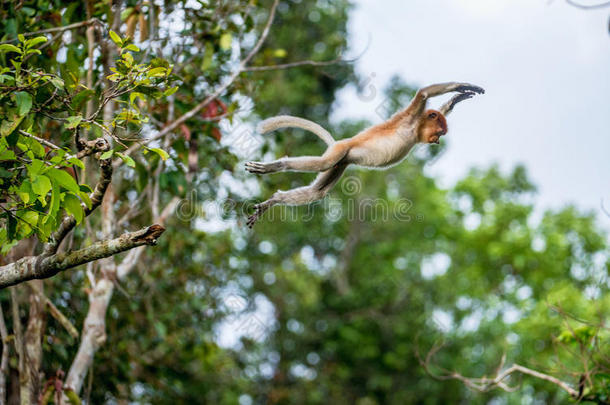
(287, 121)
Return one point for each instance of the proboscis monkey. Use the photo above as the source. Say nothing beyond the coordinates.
(379, 146)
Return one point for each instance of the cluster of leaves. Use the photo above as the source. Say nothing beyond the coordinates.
(38, 168)
(34, 181)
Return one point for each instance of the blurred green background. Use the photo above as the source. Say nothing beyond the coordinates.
(340, 302)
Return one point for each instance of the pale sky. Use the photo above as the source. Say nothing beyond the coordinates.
(545, 67)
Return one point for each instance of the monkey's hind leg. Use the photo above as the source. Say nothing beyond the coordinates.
(302, 195)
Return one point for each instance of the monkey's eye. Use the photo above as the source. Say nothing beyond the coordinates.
(432, 115)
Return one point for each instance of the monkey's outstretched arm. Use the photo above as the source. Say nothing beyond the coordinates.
(333, 155)
(448, 106)
(418, 104)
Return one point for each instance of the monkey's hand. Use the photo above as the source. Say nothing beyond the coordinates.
(262, 168)
(469, 88)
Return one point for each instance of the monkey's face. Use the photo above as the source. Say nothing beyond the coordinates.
(433, 127)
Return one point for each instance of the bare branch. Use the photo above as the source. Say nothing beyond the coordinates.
(36, 267)
(41, 140)
(485, 384)
(57, 29)
(55, 312)
(296, 64)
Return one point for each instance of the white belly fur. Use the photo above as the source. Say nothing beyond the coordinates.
(381, 152)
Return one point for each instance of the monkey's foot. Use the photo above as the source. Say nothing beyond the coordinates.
(259, 210)
(262, 168)
(461, 97)
(464, 88)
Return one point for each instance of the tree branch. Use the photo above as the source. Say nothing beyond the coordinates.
(36, 267)
(56, 29)
(55, 312)
(484, 384)
(295, 64)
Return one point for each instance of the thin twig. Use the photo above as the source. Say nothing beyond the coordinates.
(56, 29)
(588, 6)
(485, 384)
(56, 313)
(296, 64)
(41, 140)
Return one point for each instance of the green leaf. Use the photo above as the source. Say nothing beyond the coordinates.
(135, 95)
(49, 219)
(25, 192)
(126, 159)
(79, 99)
(64, 179)
(225, 41)
(128, 59)
(24, 102)
(107, 155)
(116, 38)
(8, 125)
(85, 188)
(73, 206)
(7, 155)
(57, 82)
(208, 56)
(163, 154)
(35, 41)
(73, 121)
(132, 47)
(9, 48)
(86, 199)
(170, 91)
(35, 168)
(31, 144)
(41, 185)
(31, 217)
(157, 72)
(77, 162)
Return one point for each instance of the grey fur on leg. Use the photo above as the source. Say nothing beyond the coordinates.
(301, 195)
